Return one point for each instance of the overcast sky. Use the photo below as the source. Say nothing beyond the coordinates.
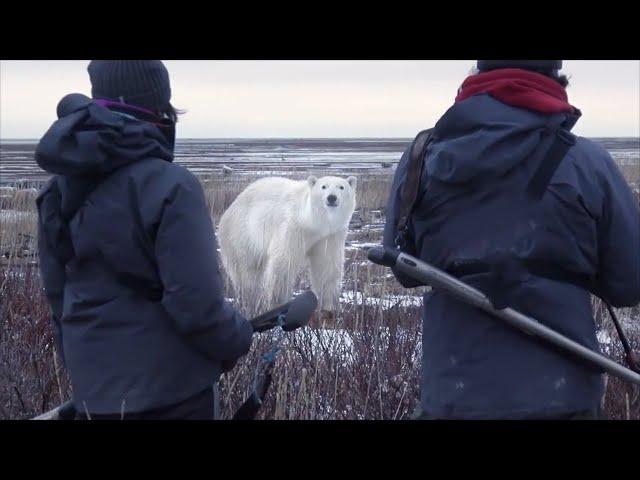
(314, 98)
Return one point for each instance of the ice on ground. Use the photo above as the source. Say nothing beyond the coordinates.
(605, 341)
(389, 301)
(16, 215)
(603, 337)
(341, 345)
(361, 245)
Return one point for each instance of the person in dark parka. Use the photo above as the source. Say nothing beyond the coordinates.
(470, 208)
(128, 254)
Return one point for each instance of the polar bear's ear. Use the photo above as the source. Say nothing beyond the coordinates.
(312, 180)
(352, 181)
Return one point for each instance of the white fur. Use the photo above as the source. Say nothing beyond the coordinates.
(277, 225)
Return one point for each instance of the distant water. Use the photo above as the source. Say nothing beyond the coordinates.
(355, 155)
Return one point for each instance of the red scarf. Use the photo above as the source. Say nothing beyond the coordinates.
(518, 88)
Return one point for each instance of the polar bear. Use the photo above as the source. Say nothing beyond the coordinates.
(277, 226)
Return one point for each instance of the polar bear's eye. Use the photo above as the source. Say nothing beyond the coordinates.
(341, 187)
(324, 186)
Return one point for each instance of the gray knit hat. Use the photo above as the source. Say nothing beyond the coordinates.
(144, 83)
(541, 65)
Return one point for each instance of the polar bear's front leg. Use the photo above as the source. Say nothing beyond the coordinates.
(326, 261)
(278, 283)
(284, 262)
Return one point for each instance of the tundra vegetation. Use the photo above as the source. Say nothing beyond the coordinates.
(366, 365)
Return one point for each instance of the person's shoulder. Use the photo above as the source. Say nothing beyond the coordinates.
(588, 150)
(591, 157)
(591, 147)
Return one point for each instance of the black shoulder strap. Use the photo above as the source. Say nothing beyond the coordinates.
(411, 185)
(562, 142)
(538, 185)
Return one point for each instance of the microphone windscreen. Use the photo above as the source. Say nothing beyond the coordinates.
(300, 310)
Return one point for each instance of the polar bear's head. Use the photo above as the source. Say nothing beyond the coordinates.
(335, 194)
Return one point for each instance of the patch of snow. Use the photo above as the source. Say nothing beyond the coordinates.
(361, 245)
(389, 301)
(603, 337)
(16, 215)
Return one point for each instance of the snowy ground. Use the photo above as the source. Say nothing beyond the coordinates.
(8, 216)
(389, 301)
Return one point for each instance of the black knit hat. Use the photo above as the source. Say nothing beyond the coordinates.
(144, 83)
(537, 65)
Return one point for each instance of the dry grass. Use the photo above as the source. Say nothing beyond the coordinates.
(221, 190)
(18, 223)
(366, 368)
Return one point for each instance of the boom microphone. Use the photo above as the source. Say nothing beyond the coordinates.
(291, 315)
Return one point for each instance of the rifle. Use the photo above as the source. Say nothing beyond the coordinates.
(429, 275)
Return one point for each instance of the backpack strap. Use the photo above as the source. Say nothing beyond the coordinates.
(562, 142)
(538, 185)
(502, 267)
(411, 185)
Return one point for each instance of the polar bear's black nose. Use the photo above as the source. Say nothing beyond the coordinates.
(332, 199)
